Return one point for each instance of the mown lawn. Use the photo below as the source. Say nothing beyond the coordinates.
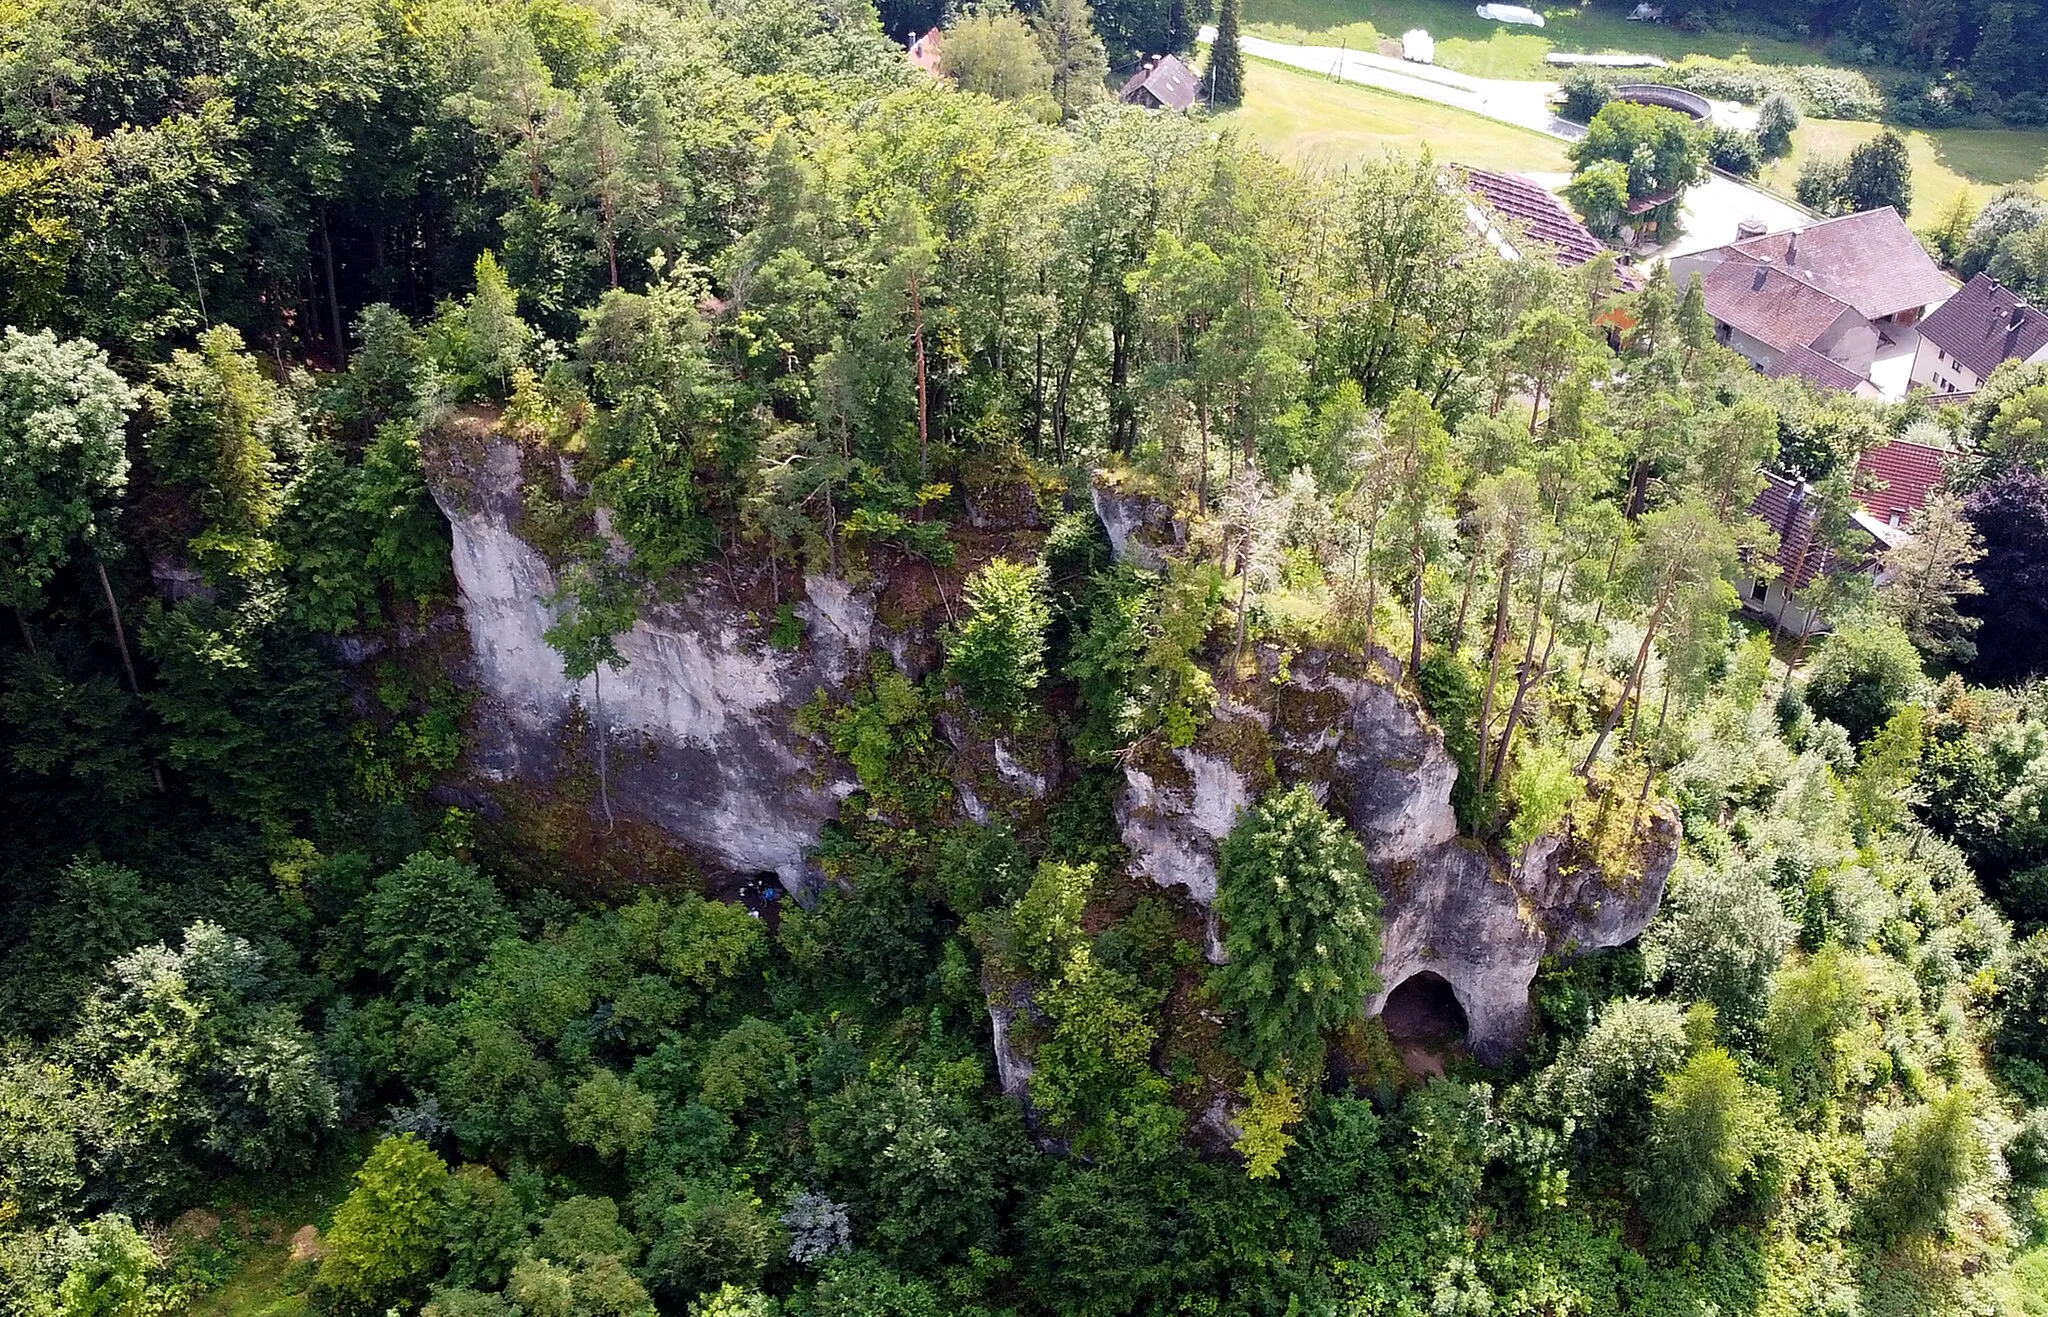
(1315, 123)
(1948, 162)
(1484, 49)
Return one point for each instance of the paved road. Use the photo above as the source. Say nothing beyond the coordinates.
(1524, 104)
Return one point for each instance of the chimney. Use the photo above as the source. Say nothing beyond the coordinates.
(2019, 317)
(1763, 273)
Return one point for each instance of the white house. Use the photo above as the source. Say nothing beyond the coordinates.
(1964, 339)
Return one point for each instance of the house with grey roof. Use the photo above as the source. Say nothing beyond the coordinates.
(1967, 337)
(1828, 303)
(1162, 84)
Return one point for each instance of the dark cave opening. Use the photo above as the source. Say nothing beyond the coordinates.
(1424, 1009)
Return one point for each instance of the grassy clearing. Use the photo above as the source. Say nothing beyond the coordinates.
(1315, 123)
(1470, 44)
(256, 1242)
(1946, 163)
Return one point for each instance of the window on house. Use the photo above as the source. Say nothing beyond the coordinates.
(1758, 590)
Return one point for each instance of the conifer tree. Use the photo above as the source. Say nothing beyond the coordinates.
(1226, 60)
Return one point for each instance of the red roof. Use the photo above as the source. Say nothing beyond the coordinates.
(1539, 213)
(1869, 260)
(1897, 478)
(924, 52)
(1769, 305)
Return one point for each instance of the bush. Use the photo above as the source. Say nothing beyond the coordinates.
(1585, 92)
(998, 654)
(430, 921)
(1707, 1129)
(1776, 120)
(386, 1240)
(1861, 677)
(1821, 184)
(1736, 151)
(1822, 91)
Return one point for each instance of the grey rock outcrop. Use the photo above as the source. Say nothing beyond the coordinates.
(1480, 920)
(702, 716)
(1142, 529)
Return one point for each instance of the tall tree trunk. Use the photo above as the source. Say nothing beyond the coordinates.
(1465, 602)
(1523, 679)
(120, 631)
(1415, 611)
(923, 403)
(21, 624)
(1372, 584)
(604, 795)
(334, 297)
(1498, 643)
(1621, 705)
(1529, 678)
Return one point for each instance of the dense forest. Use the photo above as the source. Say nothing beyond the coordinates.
(765, 304)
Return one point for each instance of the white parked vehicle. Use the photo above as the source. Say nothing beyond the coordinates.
(1418, 47)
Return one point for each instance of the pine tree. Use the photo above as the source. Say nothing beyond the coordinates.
(1066, 33)
(1226, 59)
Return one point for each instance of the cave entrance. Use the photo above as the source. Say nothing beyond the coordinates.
(1424, 1010)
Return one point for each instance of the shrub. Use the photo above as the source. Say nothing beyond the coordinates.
(1821, 183)
(1585, 92)
(1736, 151)
(1707, 1128)
(1861, 677)
(998, 654)
(430, 921)
(1776, 120)
(386, 1239)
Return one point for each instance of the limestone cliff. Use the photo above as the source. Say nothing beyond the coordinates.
(1480, 920)
(706, 748)
(702, 717)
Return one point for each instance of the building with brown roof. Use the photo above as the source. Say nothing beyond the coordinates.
(1966, 338)
(1513, 213)
(1162, 84)
(1849, 291)
(1892, 484)
(1893, 480)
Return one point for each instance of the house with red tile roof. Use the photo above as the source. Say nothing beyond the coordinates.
(1841, 289)
(1892, 484)
(1967, 337)
(1517, 217)
(1893, 480)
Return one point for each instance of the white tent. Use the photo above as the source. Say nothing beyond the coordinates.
(1418, 47)
(1511, 14)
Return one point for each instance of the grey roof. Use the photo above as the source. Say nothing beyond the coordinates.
(1810, 365)
(1984, 324)
(1172, 83)
(1870, 260)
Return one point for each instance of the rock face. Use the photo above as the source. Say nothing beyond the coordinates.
(1141, 528)
(701, 719)
(1452, 907)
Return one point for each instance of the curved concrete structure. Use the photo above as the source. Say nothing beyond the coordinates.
(1670, 98)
